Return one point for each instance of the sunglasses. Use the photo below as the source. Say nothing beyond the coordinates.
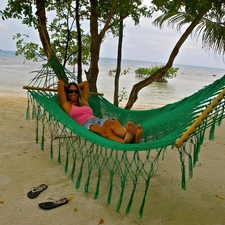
(73, 91)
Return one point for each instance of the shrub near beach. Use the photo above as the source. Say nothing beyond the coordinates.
(146, 72)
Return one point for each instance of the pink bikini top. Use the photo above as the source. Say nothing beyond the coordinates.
(81, 113)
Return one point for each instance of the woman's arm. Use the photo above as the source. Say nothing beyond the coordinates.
(66, 106)
(85, 90)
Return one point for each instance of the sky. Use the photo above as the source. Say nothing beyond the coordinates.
(144, 42)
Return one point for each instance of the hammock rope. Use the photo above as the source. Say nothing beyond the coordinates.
(89, 158)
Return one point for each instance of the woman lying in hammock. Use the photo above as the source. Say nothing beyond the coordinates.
(73, 98)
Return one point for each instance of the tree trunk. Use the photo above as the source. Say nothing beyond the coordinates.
(43, 33)
(138, 86)
(96, 40)
(44, 37)
(79, 60)
(118, 69)
(92, 73)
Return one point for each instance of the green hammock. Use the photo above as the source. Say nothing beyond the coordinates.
(87, 156)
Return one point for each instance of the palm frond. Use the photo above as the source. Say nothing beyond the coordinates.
(213, 35)
(173, 19)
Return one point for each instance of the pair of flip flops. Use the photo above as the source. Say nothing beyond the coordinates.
(34, 192)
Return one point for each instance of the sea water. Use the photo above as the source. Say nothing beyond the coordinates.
(15, 73)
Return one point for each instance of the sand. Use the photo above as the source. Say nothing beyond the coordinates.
(23, 166)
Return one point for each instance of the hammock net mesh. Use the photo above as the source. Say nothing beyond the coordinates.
(87, 156)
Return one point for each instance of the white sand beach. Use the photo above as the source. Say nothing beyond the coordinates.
(23, 166)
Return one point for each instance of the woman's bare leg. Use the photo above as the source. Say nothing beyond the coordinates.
(127, 133)
(114, 131)
(106, 133)
(116, 127)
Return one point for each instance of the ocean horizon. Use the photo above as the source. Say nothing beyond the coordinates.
(15, 73)
(9, 53)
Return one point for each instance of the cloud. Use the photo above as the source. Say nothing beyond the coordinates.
(3, 26)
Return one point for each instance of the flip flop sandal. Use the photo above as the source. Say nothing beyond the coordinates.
(52, 205)
(34, 192)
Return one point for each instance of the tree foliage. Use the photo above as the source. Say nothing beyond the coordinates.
(30, 50)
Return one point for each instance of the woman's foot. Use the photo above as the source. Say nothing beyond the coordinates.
(139, 132)
(130, 132)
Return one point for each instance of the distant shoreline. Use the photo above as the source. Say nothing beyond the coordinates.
(141, 60)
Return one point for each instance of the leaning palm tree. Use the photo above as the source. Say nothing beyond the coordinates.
(160, 73)
(206, 18)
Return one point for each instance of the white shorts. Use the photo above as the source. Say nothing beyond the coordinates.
(96, 120)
